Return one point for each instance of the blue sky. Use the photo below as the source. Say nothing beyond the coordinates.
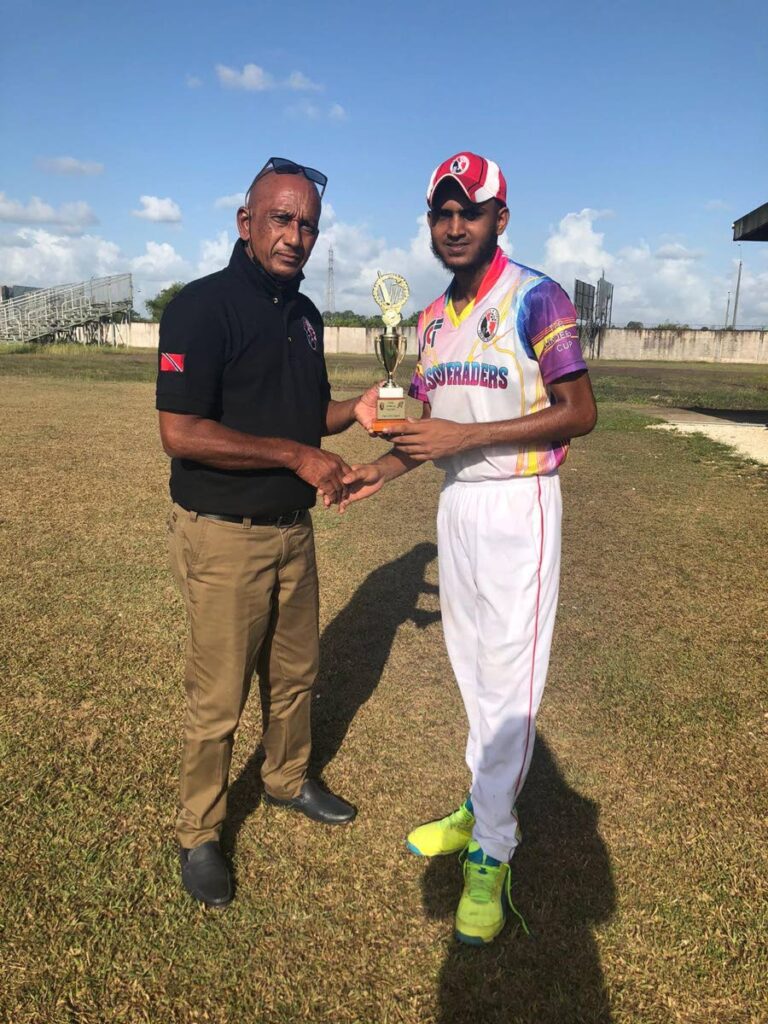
(631, 135)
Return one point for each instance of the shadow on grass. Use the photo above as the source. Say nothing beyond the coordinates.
(354, 648)
(563, 885)
(754, 417)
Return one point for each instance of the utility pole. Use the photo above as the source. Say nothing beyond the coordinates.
(330, 296)
(727, 311)
(736, 297)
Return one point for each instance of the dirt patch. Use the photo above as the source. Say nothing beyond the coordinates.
(748, 438)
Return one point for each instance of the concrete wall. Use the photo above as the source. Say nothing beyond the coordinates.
(684, 346)
(337, 339)
(142, 335)
(361, 339)
(614, 343)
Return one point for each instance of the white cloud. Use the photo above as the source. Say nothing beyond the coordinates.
(316, 112)
(575, 249)
(17, 241)
(358, 255)
(69, 217)
(672, 283)
(70, 165)
(252, 78)
(647, 288)
(753, 297)
(299, 81)
(676, 251)
(230, 202)
(193, 82)
(159, 262)
(310, 111)
(214, 254)
(35, 256)
(40, 257)
(162, 211)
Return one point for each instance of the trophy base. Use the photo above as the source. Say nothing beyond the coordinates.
(390, 409)
(388, 426)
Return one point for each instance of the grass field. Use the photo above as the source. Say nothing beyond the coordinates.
(642, 874)
(717, 386)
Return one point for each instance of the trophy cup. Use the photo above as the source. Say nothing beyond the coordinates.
(390, 292)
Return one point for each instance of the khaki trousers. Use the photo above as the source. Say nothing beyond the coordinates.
(251, 596)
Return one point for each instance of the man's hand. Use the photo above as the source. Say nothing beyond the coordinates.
(323, 470)
(361, 482)
(365, 407)
(425, 439)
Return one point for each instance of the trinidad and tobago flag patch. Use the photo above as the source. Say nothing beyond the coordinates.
(172, 361)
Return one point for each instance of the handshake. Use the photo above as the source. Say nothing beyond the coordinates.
(414, 441)
(379, 410)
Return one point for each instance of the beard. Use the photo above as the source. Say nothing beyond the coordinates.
(485, 254)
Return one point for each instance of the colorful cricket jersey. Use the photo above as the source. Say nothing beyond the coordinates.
(494, 361)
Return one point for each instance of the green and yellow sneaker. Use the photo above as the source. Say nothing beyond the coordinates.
(486, 898)
(447, 835)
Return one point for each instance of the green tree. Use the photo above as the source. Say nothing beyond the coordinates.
(634, 325)
(670, 325)
(157, 305)
(348, 318)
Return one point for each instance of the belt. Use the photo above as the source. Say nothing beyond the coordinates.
(283, 520)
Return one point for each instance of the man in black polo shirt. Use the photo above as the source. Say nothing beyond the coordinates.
(244, 400)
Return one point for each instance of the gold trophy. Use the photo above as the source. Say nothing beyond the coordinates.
(390, 292)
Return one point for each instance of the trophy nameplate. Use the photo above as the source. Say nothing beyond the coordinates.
(390, 293)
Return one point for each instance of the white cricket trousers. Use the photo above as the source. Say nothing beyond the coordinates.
(499, 562)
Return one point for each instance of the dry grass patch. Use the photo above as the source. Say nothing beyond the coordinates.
(642, 872)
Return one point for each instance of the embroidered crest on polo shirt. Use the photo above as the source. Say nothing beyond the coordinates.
(172, 362)
(489, 324)
(310, 332)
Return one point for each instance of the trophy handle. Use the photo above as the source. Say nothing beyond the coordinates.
(377, 350)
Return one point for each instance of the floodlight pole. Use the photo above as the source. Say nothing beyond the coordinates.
(330, 291)
(736, 298)
(727, 311)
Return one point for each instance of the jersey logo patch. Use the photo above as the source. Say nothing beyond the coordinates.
(430, 331)
(310, 332)
(173, 362)
(489, 324)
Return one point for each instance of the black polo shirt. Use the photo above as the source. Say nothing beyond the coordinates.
(242, 349)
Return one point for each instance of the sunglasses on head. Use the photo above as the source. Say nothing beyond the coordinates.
(279, 165)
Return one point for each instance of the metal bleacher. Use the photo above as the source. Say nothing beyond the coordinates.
(86, 312)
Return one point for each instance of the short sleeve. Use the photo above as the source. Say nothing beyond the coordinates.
(418, 388)
(193, 342)
(549, 327)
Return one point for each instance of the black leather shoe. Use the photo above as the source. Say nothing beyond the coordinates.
(205, 875)
(318, 804)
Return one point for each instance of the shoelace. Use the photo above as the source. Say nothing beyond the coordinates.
(461, 818)
(482, 882)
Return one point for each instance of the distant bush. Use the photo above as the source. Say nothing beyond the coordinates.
(347, 318)
(669, 325)
(634, 325)
(157, 305)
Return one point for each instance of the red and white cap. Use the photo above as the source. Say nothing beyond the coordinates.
(480, 179)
